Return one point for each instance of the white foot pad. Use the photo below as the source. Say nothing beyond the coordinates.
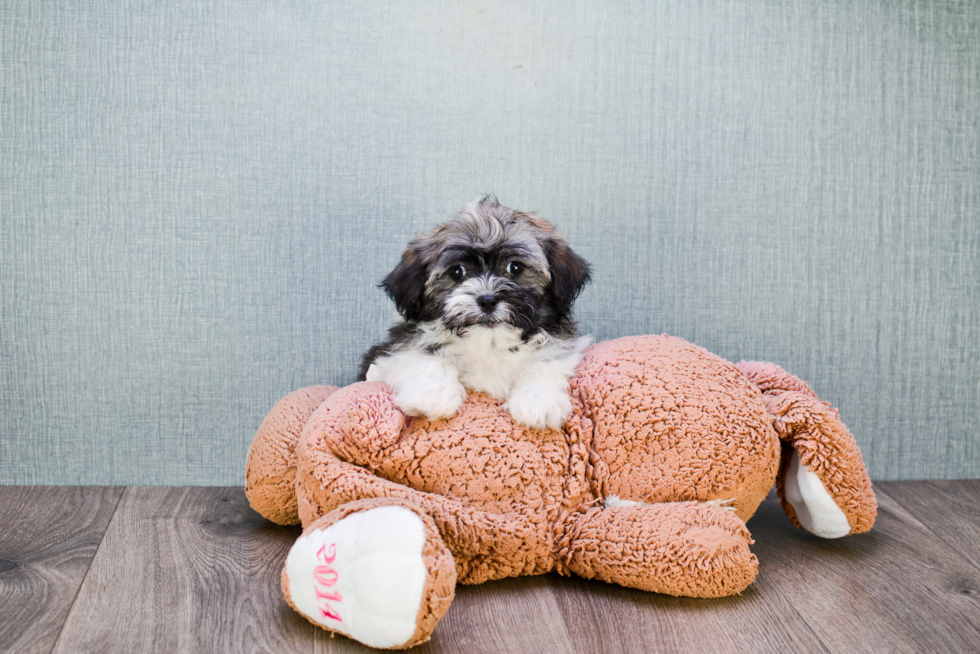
(362, 576)
(815, 508)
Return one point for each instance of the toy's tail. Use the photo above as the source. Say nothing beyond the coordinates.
(822, 482)
(270, 472)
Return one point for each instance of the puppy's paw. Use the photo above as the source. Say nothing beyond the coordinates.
(539, 406)
(431, 398)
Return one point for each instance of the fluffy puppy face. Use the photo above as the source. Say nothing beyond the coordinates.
(490, 265)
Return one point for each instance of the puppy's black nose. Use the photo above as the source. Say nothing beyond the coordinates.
(487, 302)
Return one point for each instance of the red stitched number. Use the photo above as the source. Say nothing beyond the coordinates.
(326, 576)
(325, 555)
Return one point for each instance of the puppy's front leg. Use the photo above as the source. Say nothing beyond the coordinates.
(539, 398)
(423, 384)
(540, 401)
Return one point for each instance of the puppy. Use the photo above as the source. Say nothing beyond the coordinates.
(487, 301)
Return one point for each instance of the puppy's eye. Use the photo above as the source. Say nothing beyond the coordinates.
(515, 268)
(457, 273)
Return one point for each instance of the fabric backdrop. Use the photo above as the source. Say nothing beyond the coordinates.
(198, 200)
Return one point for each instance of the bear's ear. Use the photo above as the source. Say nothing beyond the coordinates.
(569, 273)
(406, 283)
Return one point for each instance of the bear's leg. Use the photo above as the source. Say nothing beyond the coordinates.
(270, 470)
(689, 549)
(485, 545)
(822, 481)
(353, 436)
(375, 570)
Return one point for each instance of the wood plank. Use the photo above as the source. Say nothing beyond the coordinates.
(510, 615)
(48, 538)
(603, 617)
(187, 570)
(950, 509)
(898, 588)
(197, 570)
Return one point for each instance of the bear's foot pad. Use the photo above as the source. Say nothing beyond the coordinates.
(815, 509)
(362, 576)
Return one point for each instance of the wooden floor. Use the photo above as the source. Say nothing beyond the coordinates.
(196, 570)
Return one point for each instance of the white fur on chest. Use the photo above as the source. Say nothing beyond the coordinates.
(431, 376)
(491, 359)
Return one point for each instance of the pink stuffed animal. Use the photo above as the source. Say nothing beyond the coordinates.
(668, 451)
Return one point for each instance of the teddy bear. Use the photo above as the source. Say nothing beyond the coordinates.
(667, 452)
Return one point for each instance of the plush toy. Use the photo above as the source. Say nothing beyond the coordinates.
(667, 452)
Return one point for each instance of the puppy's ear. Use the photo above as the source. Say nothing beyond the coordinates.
(569, 273)
(406, 283)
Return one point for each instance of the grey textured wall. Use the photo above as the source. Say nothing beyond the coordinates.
(198, 199)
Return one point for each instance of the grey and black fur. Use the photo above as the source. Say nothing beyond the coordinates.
(485, 238)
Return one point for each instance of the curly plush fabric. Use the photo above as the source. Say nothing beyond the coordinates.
(814, 430)
(684, 548)
(668, 450)
(672, 422)
(270, 472)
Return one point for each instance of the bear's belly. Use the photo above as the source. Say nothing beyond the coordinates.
(483, 459)
(673, 422)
